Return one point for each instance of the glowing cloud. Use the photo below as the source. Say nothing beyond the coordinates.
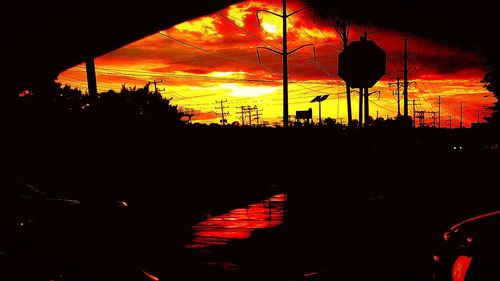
(237, 90)
(213, 58)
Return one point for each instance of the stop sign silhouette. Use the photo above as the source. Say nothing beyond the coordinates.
(362, 64)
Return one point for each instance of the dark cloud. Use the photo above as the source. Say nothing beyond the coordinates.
(465, 24)
(450, 65)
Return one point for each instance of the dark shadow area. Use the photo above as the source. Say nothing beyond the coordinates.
(361, 204)
(45, 38)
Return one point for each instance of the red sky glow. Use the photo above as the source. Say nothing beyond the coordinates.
(214, 57)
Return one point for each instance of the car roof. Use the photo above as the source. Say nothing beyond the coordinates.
(493, 217)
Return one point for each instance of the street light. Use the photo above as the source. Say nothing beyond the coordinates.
(319, 99)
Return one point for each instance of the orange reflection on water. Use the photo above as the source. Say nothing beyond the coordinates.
(239, 223)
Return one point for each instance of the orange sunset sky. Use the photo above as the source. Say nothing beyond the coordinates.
(214, 58)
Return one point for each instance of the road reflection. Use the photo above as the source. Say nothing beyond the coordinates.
(238, 223)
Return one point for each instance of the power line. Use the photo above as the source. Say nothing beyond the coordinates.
(180, 76)
(208, 51)
(284, 54)
(246, 31)
(274, 47)
(222, 113)
(405, 79)
(312, 37)
(337, 49)
(323, 68)
(309, 88)
(439, 112)
(385, 108)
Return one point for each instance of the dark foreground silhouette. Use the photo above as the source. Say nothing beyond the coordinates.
(361, 204)
(113, 197)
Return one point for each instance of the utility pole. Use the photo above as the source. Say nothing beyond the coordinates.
(249, 109)
(222, 113)
(461, 107)
(366, 94)
(367, 107)
(361, 107)
(242, 115)
(367, 110)
(338, 105)
(399, 96)
(433, 117)
(439, 111)
(155, 84)
(285, 68)
(398, 85)
(284, 53)
(319, 104)
(421, 118)
(257, 115)
(341, 121)
(91, 77)
(414, 113)
(398, 88)
(405, 79)
(343, 26)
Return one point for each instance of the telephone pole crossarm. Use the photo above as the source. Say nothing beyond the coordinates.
(269, 49)
(306, 45)
(266, 11)
(302, 9)
(284, 53)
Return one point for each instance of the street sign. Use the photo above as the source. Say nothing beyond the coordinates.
(320, 98)
(303, 114)
(362, 64)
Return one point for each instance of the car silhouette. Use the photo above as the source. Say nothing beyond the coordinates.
(50, 237)
(470, 250)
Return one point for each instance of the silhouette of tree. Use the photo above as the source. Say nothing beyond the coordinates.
(380, 122)
(491, 81)
(398, 122)
(370, 120)
(330, 122)
(52, 103)
(355, 123)
(65, 103)
(137, 104)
